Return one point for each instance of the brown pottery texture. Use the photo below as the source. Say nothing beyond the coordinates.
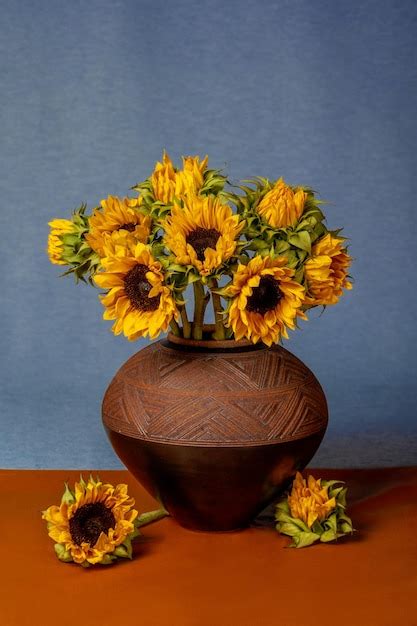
(214, 430)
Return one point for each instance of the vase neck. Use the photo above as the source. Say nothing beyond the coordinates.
(211, 345)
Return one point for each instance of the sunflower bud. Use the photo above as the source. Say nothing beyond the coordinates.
(282, 206)
(313, 511)
(59, 228)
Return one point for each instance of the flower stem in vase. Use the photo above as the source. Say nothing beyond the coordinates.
(175, 329)
(200, 303)
(186, 325)
(219, 332)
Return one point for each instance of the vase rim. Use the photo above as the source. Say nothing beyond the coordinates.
(212, 344)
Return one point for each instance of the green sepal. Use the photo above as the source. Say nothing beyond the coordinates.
(68, 496)
(304, 539)
(62, 554)
(301, 239)
(281, 246)
(331, 523)
(328, 535)
(214, 182)
(336, 525)
(288, 528)
(284, 518)
(124, 550)
(107, 559)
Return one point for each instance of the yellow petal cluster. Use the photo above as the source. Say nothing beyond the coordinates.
(268, 326)
(202, 214)
(117, 214)
(123, 258)
(58, 227)
(326, 271)
(115, 499)
(168, 183)
(190, 179)
(282, 206)
(309, 501)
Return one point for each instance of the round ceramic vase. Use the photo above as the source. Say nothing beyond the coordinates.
(215, 430)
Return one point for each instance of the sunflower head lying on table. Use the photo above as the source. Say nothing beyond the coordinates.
(95, 523)
(264, 255)
(314, 510)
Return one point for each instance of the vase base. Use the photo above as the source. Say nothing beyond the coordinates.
(214, 489)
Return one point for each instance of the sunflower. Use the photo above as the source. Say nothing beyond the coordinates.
(282, 206)
(265, 300)
(326, 271)
(315, 510)
(117, 214)
(95, 523)
(163, 180)
(138, 298)
(203, 233)
(59, 227)
(310, 501)
(168, 182)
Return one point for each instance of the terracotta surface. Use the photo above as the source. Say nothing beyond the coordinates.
(213, 397)
(181, 578)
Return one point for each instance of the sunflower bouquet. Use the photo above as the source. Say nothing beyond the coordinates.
(260, 252)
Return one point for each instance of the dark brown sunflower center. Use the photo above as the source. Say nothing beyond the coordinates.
(89, 521)
(265, 297)
(202, 238)
(137, 289)
(130, 226)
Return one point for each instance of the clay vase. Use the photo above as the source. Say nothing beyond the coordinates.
(214, 430)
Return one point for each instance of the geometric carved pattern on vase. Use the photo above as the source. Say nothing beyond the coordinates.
(202, 398)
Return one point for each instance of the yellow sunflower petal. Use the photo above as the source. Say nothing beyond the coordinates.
(282, 206)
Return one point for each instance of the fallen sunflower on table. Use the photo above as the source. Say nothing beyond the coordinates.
(95, 523)
(313, 511)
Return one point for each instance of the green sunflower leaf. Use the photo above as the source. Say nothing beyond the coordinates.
(281, 246)
(301, 240)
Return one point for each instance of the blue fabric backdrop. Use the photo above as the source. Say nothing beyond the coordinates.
(321, 92)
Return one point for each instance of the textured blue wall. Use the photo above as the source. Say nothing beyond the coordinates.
(321, 92)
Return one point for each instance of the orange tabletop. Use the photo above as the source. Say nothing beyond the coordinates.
(247, 578)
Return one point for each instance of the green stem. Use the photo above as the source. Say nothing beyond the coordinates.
(219, 333)
(186, 325)
(150, 517)
(176, 330)
(200, 303)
